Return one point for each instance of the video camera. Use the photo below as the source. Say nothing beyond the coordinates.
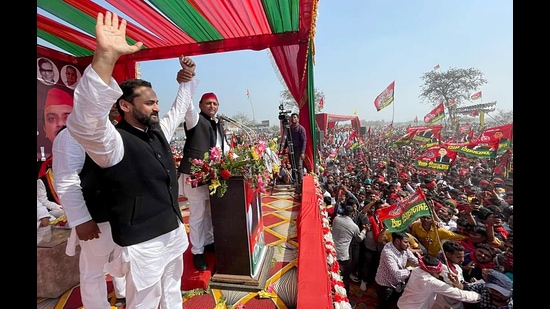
(283, 115)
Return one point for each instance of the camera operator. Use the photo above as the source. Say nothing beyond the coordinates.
(298, 140)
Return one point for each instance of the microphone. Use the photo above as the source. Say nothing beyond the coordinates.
(249, 132)
(225, 118)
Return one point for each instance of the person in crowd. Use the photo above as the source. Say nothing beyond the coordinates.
(452, 263)
(203, 132)
(137, 174)
(77, 188)
(447, 217)
(370, 255)
(504, 261)
(479, 234)
(495, 289)
(299, 141)
(46, 70)
(483, 257)
(344, 231)
(285, 174)
(430, 235)
(392, 272)
(424, 286)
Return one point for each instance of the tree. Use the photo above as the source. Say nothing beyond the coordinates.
(289, 103)
(454, 84)
(501, 117)
(243, 118)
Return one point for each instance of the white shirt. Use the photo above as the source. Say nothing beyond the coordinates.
(422, 289)
(89, 124)
(444, 302)
(67, 162)
(42, 196)
(41, 212)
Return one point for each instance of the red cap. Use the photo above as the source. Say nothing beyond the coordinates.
(430, 184)
(484, 182)
(404, 175)
(209, 95)
(57, 96)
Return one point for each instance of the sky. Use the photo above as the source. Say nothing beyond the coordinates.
(360, 48)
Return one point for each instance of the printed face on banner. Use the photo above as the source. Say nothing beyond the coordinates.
(54, 100)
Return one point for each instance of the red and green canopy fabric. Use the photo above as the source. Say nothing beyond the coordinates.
(170, 28)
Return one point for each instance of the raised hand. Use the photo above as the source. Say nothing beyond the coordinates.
(110, 44)
(188, 70)
(111, 36)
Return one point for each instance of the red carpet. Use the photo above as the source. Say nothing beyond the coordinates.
(192, 278)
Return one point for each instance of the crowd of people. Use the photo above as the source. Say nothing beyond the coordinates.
(116, 182)
(464, 245)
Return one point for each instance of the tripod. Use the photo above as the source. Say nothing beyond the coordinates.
(286, 139)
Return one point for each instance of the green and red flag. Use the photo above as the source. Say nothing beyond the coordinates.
(398, 217)
(476, 95)
(477, 149)
(426, 136)
(435, 158)
(385, 98)
(504, 135)
(388, 131)
(451, 102)
(435, 115)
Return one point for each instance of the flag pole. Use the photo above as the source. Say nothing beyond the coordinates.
(393, 107)
(252, 106)
(434, 224)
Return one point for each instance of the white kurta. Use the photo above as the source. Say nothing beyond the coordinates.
(90, 126)
(422, 289)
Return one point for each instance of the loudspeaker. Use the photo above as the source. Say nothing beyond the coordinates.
(363, 130)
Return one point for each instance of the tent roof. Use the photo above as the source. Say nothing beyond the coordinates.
(171, 28)
(325, 120)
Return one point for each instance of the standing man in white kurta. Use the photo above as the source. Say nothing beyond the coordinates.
(137, 174)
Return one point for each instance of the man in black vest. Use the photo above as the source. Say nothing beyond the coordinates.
(202, 132)
(137, 175)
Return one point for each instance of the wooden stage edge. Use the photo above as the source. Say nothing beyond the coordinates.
(244, 283)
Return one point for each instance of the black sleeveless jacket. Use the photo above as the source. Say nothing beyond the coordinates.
(141, 191)
(199, 140)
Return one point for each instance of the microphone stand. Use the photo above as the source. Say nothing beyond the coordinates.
(249, 132)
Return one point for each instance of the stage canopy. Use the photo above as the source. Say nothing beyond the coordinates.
(325, 121)
(170, 28)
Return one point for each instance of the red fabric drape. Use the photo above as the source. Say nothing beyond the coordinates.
(291, 62)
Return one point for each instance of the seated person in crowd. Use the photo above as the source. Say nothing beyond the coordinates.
(55, 210)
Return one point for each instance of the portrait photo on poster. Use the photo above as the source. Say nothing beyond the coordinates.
(46, 71)
(70, 76)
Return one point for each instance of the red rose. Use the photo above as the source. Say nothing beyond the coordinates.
(225, 174)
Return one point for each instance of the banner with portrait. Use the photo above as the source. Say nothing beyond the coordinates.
(55, 83)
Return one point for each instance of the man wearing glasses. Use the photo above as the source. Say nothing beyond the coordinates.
(46, 69)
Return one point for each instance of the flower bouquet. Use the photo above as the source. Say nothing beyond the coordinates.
(248, 161)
